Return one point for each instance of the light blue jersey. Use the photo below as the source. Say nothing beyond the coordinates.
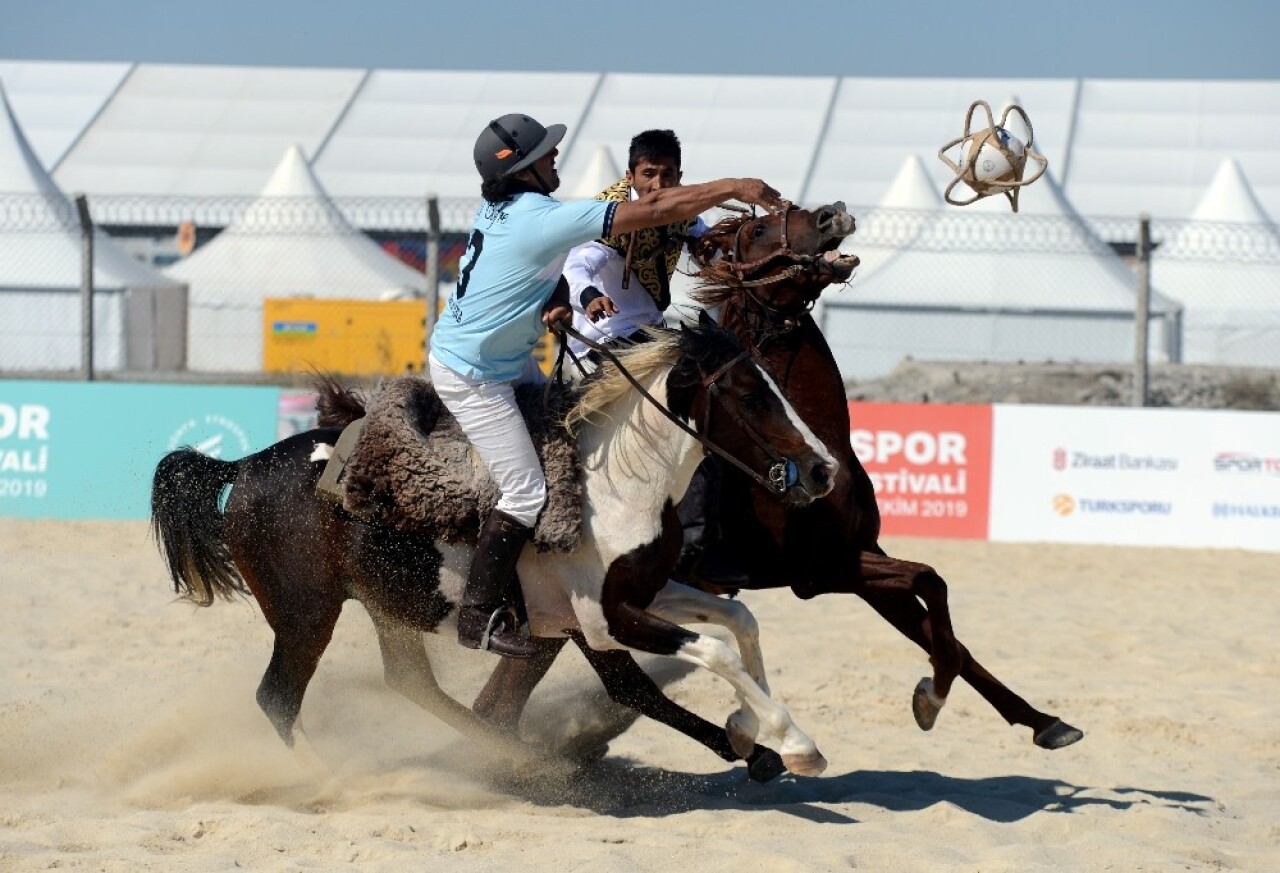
(513, 261)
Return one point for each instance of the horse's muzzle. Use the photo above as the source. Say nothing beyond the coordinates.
(834, 221)
(813, 483)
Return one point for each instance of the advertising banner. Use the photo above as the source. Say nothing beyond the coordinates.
(1198, 478)
(931, 466)
(81, 450)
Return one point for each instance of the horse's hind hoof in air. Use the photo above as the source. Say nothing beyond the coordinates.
(1058, 735)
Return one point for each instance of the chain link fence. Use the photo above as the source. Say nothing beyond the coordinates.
(257, 288)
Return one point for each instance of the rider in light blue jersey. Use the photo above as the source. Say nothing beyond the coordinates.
(509, 289)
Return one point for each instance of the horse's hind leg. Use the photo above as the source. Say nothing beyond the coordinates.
(505, 695)
(298, 646)
(407, 670)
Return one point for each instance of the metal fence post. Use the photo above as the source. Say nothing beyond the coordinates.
(433, 261)
(86, 287)
(1142, 317)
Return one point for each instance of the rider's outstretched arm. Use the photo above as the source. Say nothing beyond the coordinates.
(687, 201)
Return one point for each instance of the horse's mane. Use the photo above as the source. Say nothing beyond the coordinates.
(604, 387)
(336, 405)
(717, 283)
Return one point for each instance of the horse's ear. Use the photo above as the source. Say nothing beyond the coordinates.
(705, 319)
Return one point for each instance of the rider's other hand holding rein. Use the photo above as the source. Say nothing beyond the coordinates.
(557, 310)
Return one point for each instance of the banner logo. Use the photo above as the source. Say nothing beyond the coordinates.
(213, 435)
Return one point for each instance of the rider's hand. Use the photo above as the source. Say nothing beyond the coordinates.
(556, 314)
(601, 307)
(757, 193)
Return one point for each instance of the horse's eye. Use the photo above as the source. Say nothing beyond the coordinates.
(759, 230)
(753, 401)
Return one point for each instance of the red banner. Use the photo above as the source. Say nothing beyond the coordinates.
(930, 464)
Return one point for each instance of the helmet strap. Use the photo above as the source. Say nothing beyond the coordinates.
(542, 183)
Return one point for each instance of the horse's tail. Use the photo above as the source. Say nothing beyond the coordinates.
(337, 406)
(187, 522)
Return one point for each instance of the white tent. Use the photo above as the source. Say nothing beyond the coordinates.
(909, 206)
(982, 283)
(1232, 307)
(292, 242)
(601, 172)
(138, 313)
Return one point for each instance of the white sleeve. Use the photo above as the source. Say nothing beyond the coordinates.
(582, 270)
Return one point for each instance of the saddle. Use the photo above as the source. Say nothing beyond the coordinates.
(411, 467)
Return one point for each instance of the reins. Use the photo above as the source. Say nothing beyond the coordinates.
(782, 473)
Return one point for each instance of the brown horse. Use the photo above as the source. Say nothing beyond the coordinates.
(765, 286)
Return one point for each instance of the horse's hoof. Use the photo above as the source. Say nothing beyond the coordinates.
(1058, 735)
(765, 765)
(742, 743)
(585, 757)
(926, 705)
(808, 764)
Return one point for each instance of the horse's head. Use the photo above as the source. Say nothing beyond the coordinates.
(737, 406)
(784, 258)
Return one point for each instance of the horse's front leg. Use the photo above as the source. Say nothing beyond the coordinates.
(895, 589)
(634, 628)
(879, 572)
(628, 685)
(683, 605)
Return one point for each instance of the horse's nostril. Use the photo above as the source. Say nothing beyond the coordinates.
(821, 474)
(826, 215)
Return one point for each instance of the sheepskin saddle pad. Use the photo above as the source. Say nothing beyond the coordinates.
(413, 469)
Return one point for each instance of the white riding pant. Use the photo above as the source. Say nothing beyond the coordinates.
(488, 415)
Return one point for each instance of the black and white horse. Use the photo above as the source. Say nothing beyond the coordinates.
(301, 557)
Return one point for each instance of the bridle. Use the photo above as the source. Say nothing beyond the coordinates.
(778, 321)
(781, 474)
(800, 263)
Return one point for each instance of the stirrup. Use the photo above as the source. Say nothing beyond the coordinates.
(495, 621)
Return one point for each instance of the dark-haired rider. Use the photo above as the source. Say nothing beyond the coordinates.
(621, 284)
(510, 286)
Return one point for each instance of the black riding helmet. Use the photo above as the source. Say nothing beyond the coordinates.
(512, 144)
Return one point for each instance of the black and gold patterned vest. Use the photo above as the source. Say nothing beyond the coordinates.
(652, 253)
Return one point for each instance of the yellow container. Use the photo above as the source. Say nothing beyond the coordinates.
(357, 337)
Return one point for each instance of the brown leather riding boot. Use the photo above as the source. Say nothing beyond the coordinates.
(485, 621)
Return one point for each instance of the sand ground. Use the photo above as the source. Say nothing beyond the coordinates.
(130, 739)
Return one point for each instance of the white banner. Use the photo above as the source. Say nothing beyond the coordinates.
(1199, 478)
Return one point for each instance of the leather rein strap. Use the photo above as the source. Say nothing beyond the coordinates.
(782, 473)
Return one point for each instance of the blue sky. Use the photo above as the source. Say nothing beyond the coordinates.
(1047, 38)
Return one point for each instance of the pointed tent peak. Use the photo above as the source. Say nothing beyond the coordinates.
(20, 170)
(1229, 197)
(912, 188)
(293, 177)
(601, 172)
